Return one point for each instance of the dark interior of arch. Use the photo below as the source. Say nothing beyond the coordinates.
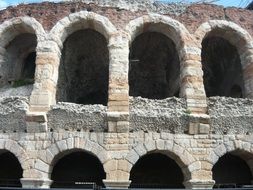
(19, 67)
(222, 68)
(10, 170)
(84, 69)
(154, 67)
(156, 171)
(231, 171)
(75, 168)
(29, 65)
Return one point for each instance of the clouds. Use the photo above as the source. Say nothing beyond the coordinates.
(3, 4)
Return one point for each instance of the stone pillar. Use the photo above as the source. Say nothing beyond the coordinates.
(118, 98)
(247, 67)
(199, 184)
(35, 183)
(117, 170)
(192, 88)
(44, 88)
(43, 94)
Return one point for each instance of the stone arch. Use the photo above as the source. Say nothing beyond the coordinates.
(177, 153)
(161, 24)
(15, 26)
(61, 148)
(239, 38)
(20, 37)
(238, 148)
(190, 79)
(19, 153)
(78, 21)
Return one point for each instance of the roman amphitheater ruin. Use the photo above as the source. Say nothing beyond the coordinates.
(126, 94)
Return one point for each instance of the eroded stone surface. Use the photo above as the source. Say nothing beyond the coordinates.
(13, 112)
(168, 115)
(230, 115)
(74, 117)
(160, 126)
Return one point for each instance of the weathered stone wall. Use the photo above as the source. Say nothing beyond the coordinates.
(75, 117)
(195, 155)
(168, 115)
(230, 115)
(13, 112)
(191, 16)
(39, 131)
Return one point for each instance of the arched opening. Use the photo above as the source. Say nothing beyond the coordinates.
(84, 69)
(222, 68)
(28, 69)
(10, 170)
(77, 170)
(156, 170)
(231, 171)
(18, 67)
(154, 67)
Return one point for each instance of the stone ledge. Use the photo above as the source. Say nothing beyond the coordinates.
(113, 184)
(199, 184)
(199, 124)
(36, 122)
(35, 183)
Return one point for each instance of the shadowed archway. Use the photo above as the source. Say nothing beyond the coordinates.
(10, 170)
(77, 168)
(222, 67)
(153, 67)
(84, 69)
(156, 170)
(231, 171)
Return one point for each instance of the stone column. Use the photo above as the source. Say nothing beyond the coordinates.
(192, 88)
(118, 100)
(43, 94)
(44, 88)
(35, 183)
(117, 169)
(199, 184)
(247, 67)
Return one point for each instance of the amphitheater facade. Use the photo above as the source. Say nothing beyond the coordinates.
(126, 94)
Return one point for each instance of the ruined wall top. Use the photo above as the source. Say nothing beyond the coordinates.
(120, 13)
(134, 5)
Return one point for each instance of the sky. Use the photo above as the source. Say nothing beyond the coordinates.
(226, 3)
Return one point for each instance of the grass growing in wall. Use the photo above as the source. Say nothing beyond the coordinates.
(187, 111)
(22, 82)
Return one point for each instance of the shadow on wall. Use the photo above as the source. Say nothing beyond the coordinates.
(222, 68)
(153, 67)
(72, 170)
(84, 69)
(19, 66)
(156, 170)
(231, 171)
(11, 170)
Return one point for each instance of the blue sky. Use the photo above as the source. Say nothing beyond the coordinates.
(226, 3)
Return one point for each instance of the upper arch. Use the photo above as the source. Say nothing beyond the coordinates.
(239, 38)
(173, 29)
(19, 25)
(228, 30)
(81, 20)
